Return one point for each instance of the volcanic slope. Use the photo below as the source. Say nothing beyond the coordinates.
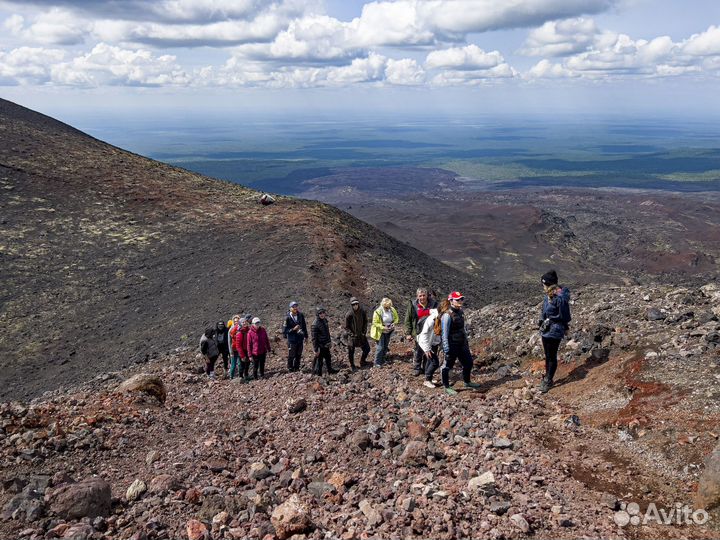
(109, 258)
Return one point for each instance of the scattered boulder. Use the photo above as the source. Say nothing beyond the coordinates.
(152, 456)
(164, 483)
(88, 498)
(290, 518)
(26, 506)
(499, 507)
(483, 482)
(79, 531)
(196, 530)
(136, 490)
(319, 489)
(259, 471)
(708, 493)
(654, 314)
(502, 443)
(295, 406)
(370, 512)
(417, 432)
(415, 453)
(360, 440)
(145, 383)
(520, 522)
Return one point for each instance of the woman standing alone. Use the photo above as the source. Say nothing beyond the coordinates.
(554, 320)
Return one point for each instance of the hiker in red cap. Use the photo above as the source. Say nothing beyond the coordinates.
(455, 343)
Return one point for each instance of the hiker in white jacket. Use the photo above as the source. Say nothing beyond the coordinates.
(429, 342)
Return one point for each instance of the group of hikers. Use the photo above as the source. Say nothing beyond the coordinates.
(434, 327)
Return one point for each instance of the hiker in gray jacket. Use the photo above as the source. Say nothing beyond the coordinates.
(209, 349)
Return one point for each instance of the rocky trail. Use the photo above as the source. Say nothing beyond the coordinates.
(374, 454)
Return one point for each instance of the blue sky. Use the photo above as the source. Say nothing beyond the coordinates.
(137, 57)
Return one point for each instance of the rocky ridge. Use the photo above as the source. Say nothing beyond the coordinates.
(374, 453)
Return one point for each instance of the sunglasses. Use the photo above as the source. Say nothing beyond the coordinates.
(458, 299)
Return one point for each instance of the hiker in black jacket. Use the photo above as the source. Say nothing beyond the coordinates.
(295, 330)
(223, 342)
(321, 342)
(356, 324)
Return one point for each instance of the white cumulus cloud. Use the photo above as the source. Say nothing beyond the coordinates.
(107, 65)
(612, 55)
(560, 38)
(28, 65)
(470, 57)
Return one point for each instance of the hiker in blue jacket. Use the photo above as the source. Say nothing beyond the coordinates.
(554, 320)
(296, 333)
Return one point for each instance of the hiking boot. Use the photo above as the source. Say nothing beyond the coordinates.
(472, 385)
(545, 385)
(418, 372)
(450, 391)
(429, 384)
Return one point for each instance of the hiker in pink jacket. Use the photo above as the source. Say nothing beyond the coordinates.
(258, 345)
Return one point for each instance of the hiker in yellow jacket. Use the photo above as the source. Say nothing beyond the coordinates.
(385, 317)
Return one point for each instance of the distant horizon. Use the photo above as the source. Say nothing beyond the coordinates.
(344, 58)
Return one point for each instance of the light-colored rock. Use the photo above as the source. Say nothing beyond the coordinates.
(520, 522)
(146, 383)
(196, 530)
(259, 471)
(370, 512)
(295, 406)
(136, 490)
(483, 482)
(290, 518)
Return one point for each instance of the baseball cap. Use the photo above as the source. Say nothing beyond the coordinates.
(455, 295)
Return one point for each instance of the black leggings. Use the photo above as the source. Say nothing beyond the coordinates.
(551, 346)
(259, 365)
(245, 368)
(210, 364)
(323, 354)
(225, 355)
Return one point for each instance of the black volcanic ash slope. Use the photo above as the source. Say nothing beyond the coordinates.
(108, 257)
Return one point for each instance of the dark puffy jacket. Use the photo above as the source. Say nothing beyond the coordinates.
(208, 346)
(453, 330)
(222, 339)
(558, 311)
(295, 337)
(411, 315)
(321, 334)
(357, 324)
